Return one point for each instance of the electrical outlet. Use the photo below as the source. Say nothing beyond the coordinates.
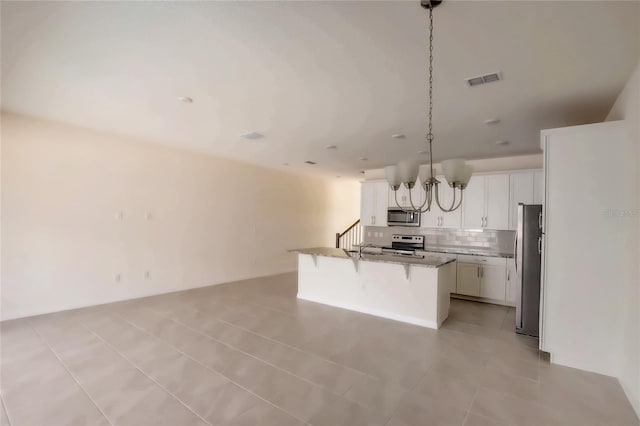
(118, 278)
(148, 216)
(147, 274)
(120, 215)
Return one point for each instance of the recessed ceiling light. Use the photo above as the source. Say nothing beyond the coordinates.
(330, 147)
(186, 99)
(398, 136)
(310, 162)
(363, 159)
(501, 142)
(492, 121)
(252, 135)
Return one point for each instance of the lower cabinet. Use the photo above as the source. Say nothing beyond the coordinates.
(468, 279)
(493, 282)
(482, 276)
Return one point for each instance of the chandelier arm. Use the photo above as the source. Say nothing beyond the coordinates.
(429, 195)
(453, 205)
(453, 202)
(417, 209)
(447, 210)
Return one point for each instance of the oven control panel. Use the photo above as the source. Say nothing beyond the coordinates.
(408, 239)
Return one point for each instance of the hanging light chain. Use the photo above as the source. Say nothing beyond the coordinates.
(430, 134)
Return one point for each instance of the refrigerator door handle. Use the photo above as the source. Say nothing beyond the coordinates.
(540, 245)
(540, 220)
(515, 250)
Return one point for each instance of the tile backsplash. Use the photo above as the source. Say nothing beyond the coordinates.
(501, 241)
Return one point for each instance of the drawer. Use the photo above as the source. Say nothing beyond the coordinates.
(483, 260)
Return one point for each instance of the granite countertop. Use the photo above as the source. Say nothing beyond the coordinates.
(427, 260)
(473, 251)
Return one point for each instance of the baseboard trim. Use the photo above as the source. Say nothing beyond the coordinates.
(482, 300)
(374, 312)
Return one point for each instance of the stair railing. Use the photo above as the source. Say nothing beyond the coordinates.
(350, 237)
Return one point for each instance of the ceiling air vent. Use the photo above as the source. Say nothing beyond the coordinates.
(310, 162)
(482, 79)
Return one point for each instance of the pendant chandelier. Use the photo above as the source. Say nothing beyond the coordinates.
(456, 171)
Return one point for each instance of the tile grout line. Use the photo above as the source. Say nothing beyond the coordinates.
(267, 362)
(407, 389)
(468, 410)
(277, 342)
(395, 410)
(260, 360)
(71, 374)
(211, 369)
(145, 374)
(6, 410)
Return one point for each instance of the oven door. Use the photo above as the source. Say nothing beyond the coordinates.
(397, 217)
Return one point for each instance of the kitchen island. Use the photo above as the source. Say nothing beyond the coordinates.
(413, 289)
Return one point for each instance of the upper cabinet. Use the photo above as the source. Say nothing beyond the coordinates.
(486, 202)
(525, 188)
(403, 194)
(374, 201)
(538, 187)
(521, 191)
(490, 201)
(436, 218)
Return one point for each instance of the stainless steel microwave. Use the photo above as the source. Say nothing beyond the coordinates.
(398, 217)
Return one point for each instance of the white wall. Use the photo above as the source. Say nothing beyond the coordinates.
(520, 162)
(210, 220)
(627, 108)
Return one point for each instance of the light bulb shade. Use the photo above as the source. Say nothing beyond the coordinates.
(392, 175)
(424, 173)
(466, 175)
(454, 170)
(408, 171)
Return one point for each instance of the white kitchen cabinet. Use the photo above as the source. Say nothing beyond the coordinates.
(482, 276)
(493, 282)
(473, 203)
(497, 203)
(403, 194)
(538, 187)
(521, 190)
(468, 279)
(511, 281)
(486, 202)
(436, 218)
(374, 202)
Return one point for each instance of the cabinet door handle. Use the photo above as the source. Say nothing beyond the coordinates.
(508, 274)
(478, 272)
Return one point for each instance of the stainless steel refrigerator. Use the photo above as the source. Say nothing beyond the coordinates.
(528, 260)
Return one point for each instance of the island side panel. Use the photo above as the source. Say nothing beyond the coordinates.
(446, 281)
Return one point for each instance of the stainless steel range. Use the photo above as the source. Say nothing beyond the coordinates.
(407, 243)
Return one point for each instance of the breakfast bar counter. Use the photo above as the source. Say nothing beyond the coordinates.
(412, 289)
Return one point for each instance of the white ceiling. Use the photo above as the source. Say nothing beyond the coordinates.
(311, 74)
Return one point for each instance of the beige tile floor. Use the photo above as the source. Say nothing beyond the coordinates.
(250, 353)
